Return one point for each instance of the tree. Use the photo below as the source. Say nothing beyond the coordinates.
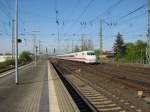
(130, 52)
(97, 52)
(136, 52)
(119, 48)
(25, 56)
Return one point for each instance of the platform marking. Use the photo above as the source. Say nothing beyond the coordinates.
(53, 103)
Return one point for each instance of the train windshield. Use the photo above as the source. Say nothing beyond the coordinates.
(90, 53)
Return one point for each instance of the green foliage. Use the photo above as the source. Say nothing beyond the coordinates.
(7, 64)
(130, 52)
(97, 52)
(25, 57)
(136, 52)
(119, 48)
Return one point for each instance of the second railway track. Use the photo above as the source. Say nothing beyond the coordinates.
(99, 97)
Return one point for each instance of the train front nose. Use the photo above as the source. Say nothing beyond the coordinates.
(91, 59)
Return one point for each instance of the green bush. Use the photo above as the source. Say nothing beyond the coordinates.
(97, 52)
(6, 65)
(9, 62)
(25, 57)
(2, 65)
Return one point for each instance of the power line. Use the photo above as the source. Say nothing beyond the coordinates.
(72, 11)
(7, 7)
(76, 7)
(108, 10)
(132, 12)
(112, 7)
(5, 10)
(82, 13)
(135, 17)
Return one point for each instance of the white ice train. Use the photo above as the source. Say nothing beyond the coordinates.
(84, 56)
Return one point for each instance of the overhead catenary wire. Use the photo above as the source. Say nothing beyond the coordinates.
(4, 10)
(118, 22)
(72, 11)
(109, 9)
(7, 7)
(126, 15)
(82, 13)
(132, 12)
(128, 20)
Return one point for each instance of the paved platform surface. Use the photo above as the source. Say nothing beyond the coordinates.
(31, 95)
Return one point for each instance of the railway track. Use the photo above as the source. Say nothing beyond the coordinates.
(132, 82)
(99, 97)
(129, 79)
(96, 98)
(81, 102)
(137, 73)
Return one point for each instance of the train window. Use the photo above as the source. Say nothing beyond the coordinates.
(90, 53)
(71, 55)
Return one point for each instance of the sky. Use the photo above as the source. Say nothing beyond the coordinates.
(76, 18)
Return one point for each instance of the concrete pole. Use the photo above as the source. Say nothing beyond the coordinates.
(16, 46)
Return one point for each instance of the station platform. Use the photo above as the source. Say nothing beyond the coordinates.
(33, 93)
(39, 90)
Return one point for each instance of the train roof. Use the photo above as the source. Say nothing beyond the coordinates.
(75, 53)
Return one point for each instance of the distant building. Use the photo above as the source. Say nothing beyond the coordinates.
(107, 54)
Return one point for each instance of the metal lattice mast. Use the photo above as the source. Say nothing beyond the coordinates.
(13, 39)
(101, 36)
(148, 35)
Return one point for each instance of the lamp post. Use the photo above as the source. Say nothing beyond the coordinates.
(16, 46)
